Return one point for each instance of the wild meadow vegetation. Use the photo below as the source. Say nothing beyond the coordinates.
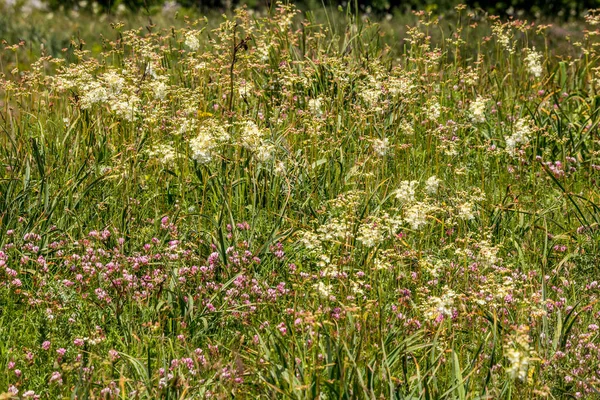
(286, 206)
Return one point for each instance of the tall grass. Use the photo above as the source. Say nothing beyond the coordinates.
(301, 206)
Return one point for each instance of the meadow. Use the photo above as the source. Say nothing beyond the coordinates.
(299, 205)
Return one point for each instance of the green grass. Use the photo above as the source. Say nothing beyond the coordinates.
(299, 206)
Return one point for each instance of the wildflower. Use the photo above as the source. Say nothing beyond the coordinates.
(93, 93)
(381, 146)
(441, 306)
(416, 215)
(113, 81)
(160, 90)
(432, 184)
(125, 106)
(265, 152)
(282, 328)
(400, 86)
(114, 355)
(434, 112)
(519, 363)
(164, 153)
(477, 110)
(251, 136)
(280, 168)
(245, 89)
(370, 234)
(503, 38)
(533, 62)
(370, 95)
(407, 128)
(310, 240)
(406, 192)
(465, 211)
(314, 105)
(323, 290)
(201, 147)
(517, 350)
(56, 377)
(522, 130)
(191, 41)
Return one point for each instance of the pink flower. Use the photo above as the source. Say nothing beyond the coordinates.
(282, 328)
(114, 355)
(46, 345)
(56, 377)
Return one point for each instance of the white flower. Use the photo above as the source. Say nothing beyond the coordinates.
(407, 128)
(160, 90)
(336, 229)
(503, 38)
(314, 105)
(477, 109)
(245, 89)
(323, 290)
(517, 350)
(399, 85)
(519, 363)
(370, 234)
(185, 125)
(201, 147)
(370, 95)
(280, 168)
(310, 240)
(534, 62)
(265, 152)
(441, 305)
(465, 211)
(522, 130)
(164, 153)
(150, 71)
(191, 41)
(406, 192)
(125, 106)
(434, 111)
(356, 288)
(381, 146)
(210, 134)
(113, 81)
(432, 184)
(416, 215)
(93, 93)
(251, 136)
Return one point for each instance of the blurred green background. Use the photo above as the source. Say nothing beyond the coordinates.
(561, 9)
